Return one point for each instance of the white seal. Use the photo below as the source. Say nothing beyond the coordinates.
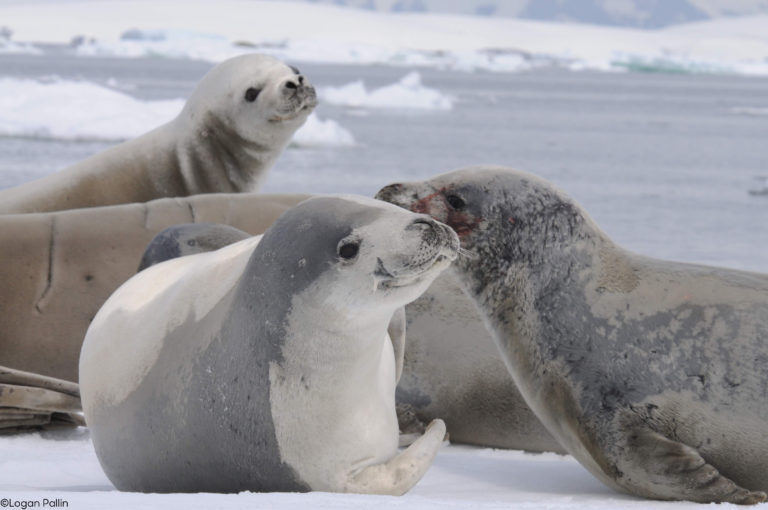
(266, 365)
(234, 125)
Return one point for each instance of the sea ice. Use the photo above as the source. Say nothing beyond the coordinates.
(407, 93)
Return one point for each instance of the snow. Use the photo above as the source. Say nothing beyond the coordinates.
(407, 93)
(75, 110)
(62, 465)
(325, 33)
(81, 110)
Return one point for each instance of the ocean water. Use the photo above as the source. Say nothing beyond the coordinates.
(662, 162)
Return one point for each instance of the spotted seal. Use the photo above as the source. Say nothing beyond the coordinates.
(651, 373)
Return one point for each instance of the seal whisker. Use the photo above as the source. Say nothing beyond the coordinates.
(463, 252)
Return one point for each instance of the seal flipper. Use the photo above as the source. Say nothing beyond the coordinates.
(398, 475)
(31, 400)
(677, 472)
(396, 331)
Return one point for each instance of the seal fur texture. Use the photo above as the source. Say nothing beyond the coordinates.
(235, 124)
(651, 373)
(453, 370)
(265, 365)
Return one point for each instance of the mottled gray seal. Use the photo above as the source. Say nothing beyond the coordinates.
(265, 365)
(651, 373)
(235, 124)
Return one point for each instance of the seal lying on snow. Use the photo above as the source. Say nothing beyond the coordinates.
(443, 374)
(651, 373)
(235, 124)
(265, 365)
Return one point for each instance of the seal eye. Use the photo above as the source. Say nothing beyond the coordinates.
(251, 94)
(456, 202)
(349, 250)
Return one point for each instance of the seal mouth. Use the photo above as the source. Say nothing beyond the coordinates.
(386, 279)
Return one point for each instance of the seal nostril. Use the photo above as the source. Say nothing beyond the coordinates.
(301, 80)
(290, 85)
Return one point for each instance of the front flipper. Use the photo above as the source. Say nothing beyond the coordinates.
(396, 331)
(675, 471)
(400, 474)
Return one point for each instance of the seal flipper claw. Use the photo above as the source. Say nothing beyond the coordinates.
(678, 472)
(402, 472)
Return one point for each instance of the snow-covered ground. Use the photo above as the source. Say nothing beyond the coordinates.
(324, 33)
(63, 466)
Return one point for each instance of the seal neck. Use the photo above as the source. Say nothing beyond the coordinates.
(214, 157)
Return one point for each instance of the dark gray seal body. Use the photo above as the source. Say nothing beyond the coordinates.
(651, 373)
(265, 365)
(235, 124)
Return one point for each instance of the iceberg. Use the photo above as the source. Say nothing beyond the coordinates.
(408, 93)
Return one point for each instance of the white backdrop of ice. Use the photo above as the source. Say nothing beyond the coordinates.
(74, 110)
(407, 93)
(81, 110)
(63, 465)
(327, 33)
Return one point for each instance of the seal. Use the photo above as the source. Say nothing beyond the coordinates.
(60, 267)
(193, 238)
(265, 365)
(649, 372)
(235, 124)
(189, 239)
(486, 409)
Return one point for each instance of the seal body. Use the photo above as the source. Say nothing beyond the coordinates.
(453, 370)
(60, 267)
(464, 383)
(234, 125)
(265, 365)
(651, 373)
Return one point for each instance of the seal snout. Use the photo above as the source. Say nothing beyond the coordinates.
(437, 237)
(390, 193)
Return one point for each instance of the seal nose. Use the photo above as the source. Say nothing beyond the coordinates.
(387, 193)
(293, 84)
